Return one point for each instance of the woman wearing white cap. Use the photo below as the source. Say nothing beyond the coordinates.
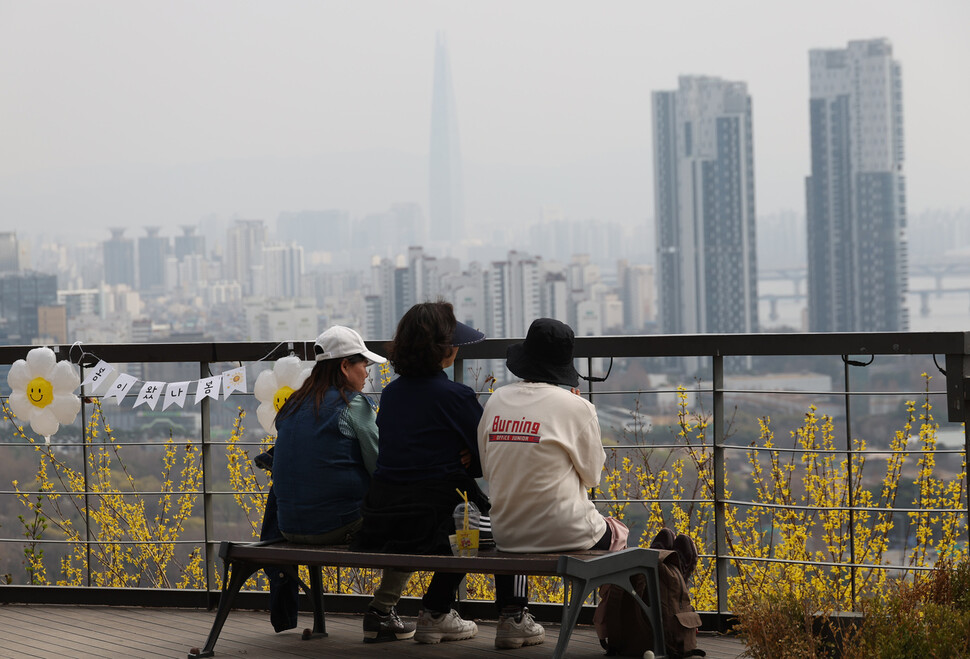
(323, 458)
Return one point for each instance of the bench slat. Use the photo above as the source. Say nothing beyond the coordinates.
(487, 562)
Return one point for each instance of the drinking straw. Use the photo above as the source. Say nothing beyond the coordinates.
(464, 495)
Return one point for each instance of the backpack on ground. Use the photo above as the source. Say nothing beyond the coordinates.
(623, 628)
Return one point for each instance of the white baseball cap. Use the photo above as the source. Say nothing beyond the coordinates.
(338, 342)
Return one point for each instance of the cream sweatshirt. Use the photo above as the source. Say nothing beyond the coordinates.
(541, 449)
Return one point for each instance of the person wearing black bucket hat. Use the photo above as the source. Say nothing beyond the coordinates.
(541, 450)
(546, 355)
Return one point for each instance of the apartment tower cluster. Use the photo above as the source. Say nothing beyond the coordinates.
(855, 198)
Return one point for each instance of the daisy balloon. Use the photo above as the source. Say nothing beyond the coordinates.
(274, 386)
(43, 391)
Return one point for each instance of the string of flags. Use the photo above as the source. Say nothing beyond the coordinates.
(43, 389)
(173, 393)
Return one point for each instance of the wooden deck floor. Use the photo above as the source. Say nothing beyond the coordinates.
(48, 631)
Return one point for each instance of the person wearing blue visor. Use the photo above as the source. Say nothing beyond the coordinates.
(428, 452)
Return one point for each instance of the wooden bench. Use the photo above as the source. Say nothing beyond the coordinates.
(581, 572)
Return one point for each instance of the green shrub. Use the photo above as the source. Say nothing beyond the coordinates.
(781, 625)
(926, 617)
(929, 617)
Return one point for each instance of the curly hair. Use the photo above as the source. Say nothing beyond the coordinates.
(325, 374)
(423, 339)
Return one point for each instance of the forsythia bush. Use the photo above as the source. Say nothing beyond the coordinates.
(129, 545)
(795, 526)
(793, 531)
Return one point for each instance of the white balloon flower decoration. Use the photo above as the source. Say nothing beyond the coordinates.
(274, 386)
(43, 391)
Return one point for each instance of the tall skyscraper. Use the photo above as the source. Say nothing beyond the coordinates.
(119, 259)
(22, 294)
(152, 252)
(283, 270)
(445, 196)
(244, 253)
(9, 252)
(513, 295)
(189, 243)
(704, 204)
(855, 195)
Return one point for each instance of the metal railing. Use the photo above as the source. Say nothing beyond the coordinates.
(714, 359)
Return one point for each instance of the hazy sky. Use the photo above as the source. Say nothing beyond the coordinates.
(130, 112)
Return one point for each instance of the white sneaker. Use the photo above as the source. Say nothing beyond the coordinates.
(514, 631)
(444, 627)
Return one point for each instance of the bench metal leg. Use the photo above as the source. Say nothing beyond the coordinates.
(578, 589)
(576, 592)
(316, 597)
(238, 573)
(617, 568)
(652, 609)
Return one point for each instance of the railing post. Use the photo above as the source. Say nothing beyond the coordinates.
(721, 563)
(957, 397)
(966, 452)
(459, 376)
(849, 477)
(87, 487)
(206, 448)
(459, 369)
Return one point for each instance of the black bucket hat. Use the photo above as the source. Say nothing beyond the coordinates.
(546, 355)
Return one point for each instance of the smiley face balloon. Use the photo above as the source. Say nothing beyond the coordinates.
(43, 391)
(40, 392)
(274, 386)
(280, 397)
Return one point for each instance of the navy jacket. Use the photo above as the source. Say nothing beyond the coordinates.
(318, 472)
(424, 424)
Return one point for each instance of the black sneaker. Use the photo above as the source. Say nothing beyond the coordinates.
(380, 627)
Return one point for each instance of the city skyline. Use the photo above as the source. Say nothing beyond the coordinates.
(501, 294)
(261, 110)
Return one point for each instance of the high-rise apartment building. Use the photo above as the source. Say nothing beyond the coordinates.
(9, 252)
(119, 259)
(555, 297)
(52, 323)
(855, 195)
(468, 295)
(283, 270)
(513, 295)
(189, 243)
(244, 253)
(153, 249)
(22, 294)
(382, 305)
(445, 194)
(420, 278)
(704, 203)
(637, 289)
